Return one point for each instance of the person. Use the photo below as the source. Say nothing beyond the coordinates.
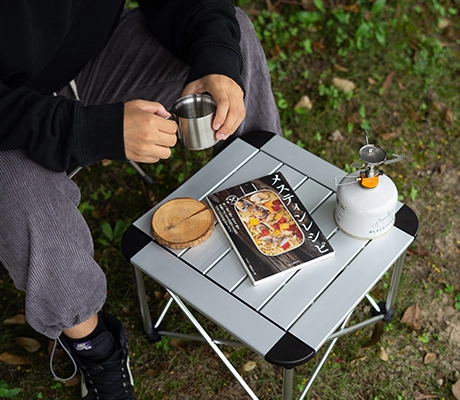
(82, 81)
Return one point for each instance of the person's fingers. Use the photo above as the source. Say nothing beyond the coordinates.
(229, 115)
(223, 107)
(229, 98)
(150, 107)
(148, 135)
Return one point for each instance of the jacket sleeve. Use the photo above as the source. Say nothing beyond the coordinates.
(37, 124)
(203, 33)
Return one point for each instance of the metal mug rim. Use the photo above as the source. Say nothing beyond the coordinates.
(208, 99)
(191, 96)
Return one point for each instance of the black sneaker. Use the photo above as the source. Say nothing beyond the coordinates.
(104, 363)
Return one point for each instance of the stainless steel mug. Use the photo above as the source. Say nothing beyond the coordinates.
(194, 115)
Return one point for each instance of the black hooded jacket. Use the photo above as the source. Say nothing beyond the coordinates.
(45, 43)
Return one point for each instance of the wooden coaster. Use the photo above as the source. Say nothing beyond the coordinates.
(183, 222)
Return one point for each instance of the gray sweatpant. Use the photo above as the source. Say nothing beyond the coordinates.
(45, 243)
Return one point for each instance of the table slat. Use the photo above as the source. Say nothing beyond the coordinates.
(303, 161)
(260, 165)
(228, 272)
(324, 216)
(204, 256)
(208, 298)
(308, 284)
(312, 194)
(293, 177)
(346, 292)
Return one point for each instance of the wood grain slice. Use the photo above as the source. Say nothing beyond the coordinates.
(181, 223)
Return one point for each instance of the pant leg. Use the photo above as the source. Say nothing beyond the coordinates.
(130, 69)
(46, 245)
(261, 110)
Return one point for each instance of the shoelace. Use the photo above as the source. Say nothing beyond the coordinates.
(111, 369)
(70, 356)
(113, 378)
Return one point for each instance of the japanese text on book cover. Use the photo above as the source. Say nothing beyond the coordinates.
(268, 226)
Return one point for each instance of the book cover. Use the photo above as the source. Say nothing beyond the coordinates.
(268, 226)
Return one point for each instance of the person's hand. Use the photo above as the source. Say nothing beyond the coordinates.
(148, 135)
(229, 99)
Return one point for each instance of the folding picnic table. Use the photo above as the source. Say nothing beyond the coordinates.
(288, 319)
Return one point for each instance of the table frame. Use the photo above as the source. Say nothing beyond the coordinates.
(137, 238)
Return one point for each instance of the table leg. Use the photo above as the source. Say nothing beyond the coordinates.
(395, 280)
(288, 383)
(324, 358)
(149, 331)
(213, 345)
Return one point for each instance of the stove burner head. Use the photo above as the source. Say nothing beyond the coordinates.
(372, 155)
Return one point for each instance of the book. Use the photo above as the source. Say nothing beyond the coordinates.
(268, 227)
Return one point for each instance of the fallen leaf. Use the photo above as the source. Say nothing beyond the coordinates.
(336, 136)
(440, 375)
(304, 102)
(419, 251)
(318, 46)
(449, 116)
(343, 84)
(456, 389)
(31, 345)
(411, 112)
(18, 319)
(421, 396)
(276, 8)
(249, 366)
(371, 81)
(354, 361)
(275, 51)
(13, 359)
(376, 334)
(441, 168)
(387, 81)
(438, 106)
(179, 344)
(306, 4)
(429, 358)
(339, 68)
(76, 380)
(158, 370)
(412, 317)
(160, 294)
(185, 345)
(353, 118)
(353, 8)
(383, 355)
(443, 23)
(389, 135)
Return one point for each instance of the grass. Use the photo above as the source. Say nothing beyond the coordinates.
(403, 58)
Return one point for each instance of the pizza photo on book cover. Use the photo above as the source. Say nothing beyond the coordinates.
(268, 226)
